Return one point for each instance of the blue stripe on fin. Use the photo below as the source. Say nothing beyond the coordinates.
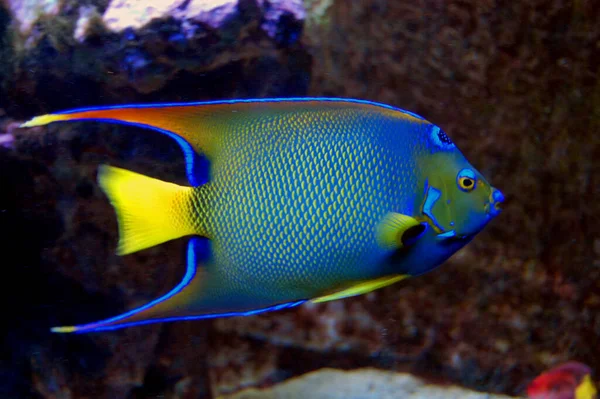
(258, 100)
(193, 245)
(198, 174)
(196, 166)
(197, 247)
(198, 317)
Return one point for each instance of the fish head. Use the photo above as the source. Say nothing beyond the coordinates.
(457, 200)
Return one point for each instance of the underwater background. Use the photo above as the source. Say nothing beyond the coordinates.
(514, 83)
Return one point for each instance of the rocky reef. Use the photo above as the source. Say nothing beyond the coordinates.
(514, 83)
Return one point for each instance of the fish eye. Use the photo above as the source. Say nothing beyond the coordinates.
(466, 180)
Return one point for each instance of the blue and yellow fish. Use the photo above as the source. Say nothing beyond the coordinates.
(305, 199)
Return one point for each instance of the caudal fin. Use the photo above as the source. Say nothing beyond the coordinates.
(149, 211)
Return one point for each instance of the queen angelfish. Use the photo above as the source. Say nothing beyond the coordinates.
(304, 199)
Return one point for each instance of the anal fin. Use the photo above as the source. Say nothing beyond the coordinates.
(362, 287)
(171, 305)
(195, 297)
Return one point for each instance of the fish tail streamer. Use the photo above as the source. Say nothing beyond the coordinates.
(149, 211)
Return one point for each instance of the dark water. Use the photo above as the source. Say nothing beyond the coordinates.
(514, 83)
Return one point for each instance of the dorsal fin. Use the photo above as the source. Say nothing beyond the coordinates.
(203, 127)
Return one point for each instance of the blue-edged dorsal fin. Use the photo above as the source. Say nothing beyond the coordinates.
(203, 127)
(197, 296)
(180, 123)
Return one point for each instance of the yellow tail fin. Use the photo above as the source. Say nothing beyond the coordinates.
(149, 211)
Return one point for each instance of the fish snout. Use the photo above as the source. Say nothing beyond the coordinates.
(496, 199)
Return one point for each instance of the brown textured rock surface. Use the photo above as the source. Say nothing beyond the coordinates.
(514, 83)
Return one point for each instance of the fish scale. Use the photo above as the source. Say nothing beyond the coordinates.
(319, 219)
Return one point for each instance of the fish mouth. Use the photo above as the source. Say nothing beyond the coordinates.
(493, 206)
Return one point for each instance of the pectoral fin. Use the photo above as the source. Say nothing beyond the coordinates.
(396, 230)
(362, 287)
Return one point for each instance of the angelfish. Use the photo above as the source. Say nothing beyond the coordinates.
(304, 199)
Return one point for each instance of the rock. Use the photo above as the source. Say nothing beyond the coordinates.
(364, 383)
(7, 140)
(89, 24)
(135, 14)
(133, 50)
(26, 13)
(7, 127)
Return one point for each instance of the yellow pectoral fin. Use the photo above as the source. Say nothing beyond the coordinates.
(586, 390)
(397, 230)
(362, 287)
